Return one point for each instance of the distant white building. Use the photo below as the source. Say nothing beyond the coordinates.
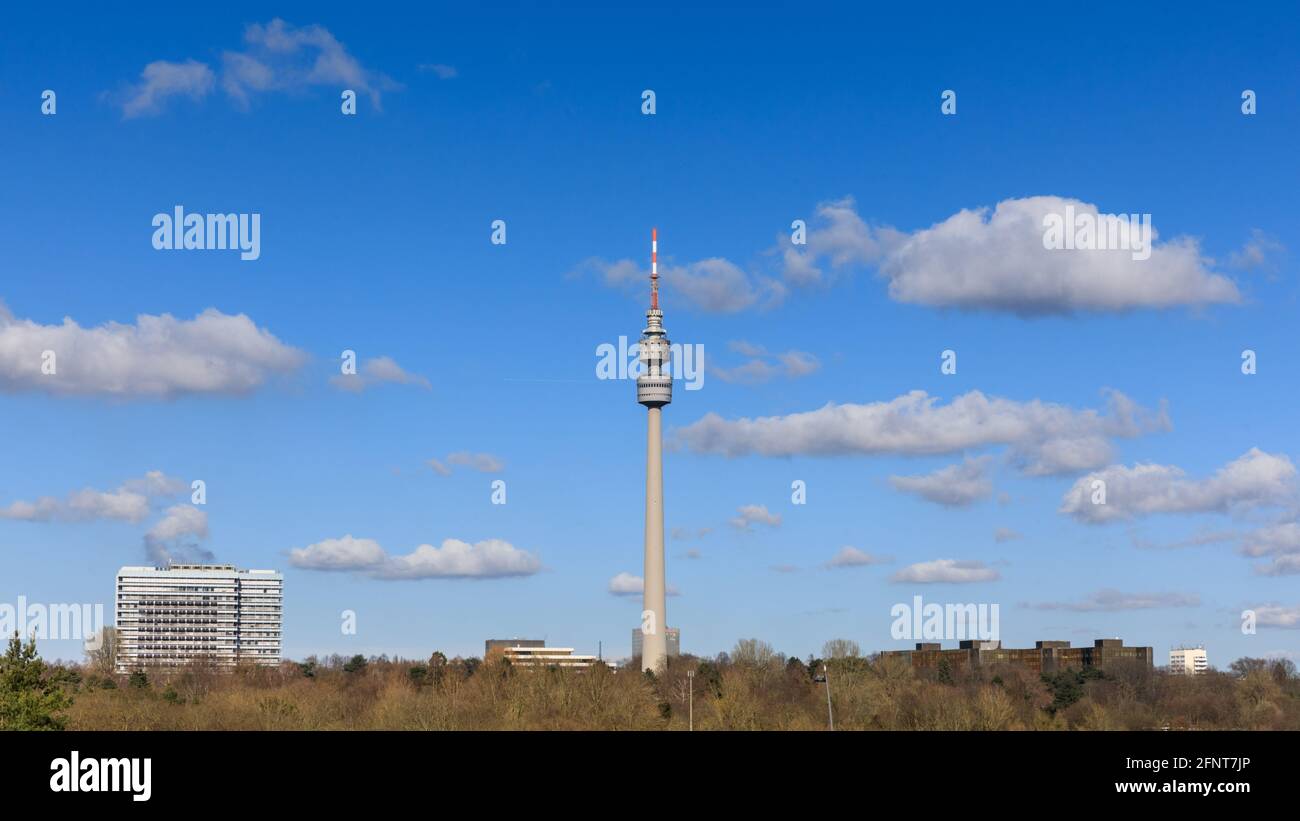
(540, 656)
(170, 616)
(1188, 661)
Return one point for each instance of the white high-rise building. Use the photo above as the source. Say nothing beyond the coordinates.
(654, 389)
(169, 616)
(1189, 661)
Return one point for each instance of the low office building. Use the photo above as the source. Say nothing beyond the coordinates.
(530, 653)
(1043, 657)
(185, 613)
(1188, 661)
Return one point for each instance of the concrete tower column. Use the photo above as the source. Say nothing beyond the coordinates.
(654, 638)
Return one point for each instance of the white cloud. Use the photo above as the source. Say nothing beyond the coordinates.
(713, 285)
(1275, 539)
(839, 237)
(158, 356)
(346, 553)
(625, 584)
(946, 571)
(1288, 565)
(994, 259)
(1044, 438)
(1109, 601)
(481, 462)
(1260, 252)
(852, 557)
(1005, 534)
(1269, 615)
(282, 57)
(128, 503)
(763, 367)
(442, 70)
(953, 486)
(755, 514)
(377, 371)
(492, 558)
(162, 80)
(176, 536)
(1256, 478)
(997, 262)
(277, 57)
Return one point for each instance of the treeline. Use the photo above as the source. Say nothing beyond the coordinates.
(751, 688)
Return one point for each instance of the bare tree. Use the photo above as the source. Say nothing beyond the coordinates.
(101, 654)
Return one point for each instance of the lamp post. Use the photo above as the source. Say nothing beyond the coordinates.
(690, 699)
(825, 678)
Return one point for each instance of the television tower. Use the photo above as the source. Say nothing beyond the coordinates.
(654, 389)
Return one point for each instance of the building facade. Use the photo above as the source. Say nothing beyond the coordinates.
(1188, 661)
(536, 654)
(1043, 657)
(184, 613)
(671, 634)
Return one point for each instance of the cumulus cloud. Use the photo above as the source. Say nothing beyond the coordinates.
(763, 366)
(131, 502)
(852, 557)
(491, 558)
(1256, 478)
(1278, 539)
(683, 534)
(953, 486)
(1261, 252)
(625, 584)
(996, 261)
(1288, 565)
(713, 285)
(281, 57)
(1044, 438)
(1109, 601)
(377, 371)
(838, 238)
(162, 80)
(749, 515)
(1005, 534)
(482, 462)
(158, 356)
(277, 57)
(1271, 615)
(946, 571)
(177, 535)
(442, 70)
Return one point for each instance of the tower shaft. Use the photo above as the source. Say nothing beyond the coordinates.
(654, 639)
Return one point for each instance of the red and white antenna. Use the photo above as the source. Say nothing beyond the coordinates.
(654, 269)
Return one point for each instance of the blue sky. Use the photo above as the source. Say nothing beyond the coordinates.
(375, 237)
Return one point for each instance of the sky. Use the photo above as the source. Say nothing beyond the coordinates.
(946, 390)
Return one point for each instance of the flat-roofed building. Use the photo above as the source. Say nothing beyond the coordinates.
(1188, 661)
(1043, 657)
(184, 613)
(537, 655)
